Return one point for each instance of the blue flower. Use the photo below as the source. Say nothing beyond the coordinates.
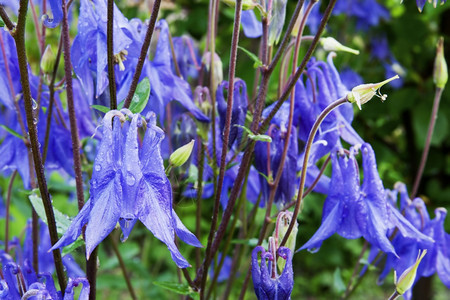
(352, 210)
(269, 155)
(128, 183)
(430, 235)
(251, 26)
(239, 109)
(19, 272)
(267, 283)
(57, 12)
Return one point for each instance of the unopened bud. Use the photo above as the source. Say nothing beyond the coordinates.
(182, 154)
(217, 68)
(330, 44)
(406, 280)
(362, 93)
(246, 4)
(440, 74)
(283, 220)
(48, 60)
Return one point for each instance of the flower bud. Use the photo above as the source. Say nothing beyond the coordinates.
(283, 220)
(362, 93)
(330, 44)
(246, 4)
(182, 154)
(440, 74)
(217, 68)
(48, 60)
(406, 280)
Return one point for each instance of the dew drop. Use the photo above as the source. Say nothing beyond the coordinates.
(98, 167)
(35, 121)
(34, 105)
(131, 180)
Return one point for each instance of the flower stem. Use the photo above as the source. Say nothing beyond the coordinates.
(226, 135)
(110, 46)
(300, 70)
(426, 148)
(201, 165)
(122, 266)
(308, 146)
(9, 24)
(91, 273)
(19, 37)
(143, 54)
(71, 108)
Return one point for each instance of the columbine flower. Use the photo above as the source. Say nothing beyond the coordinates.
(267, 283)
(431, 236)
(362, 94)
(269, 155)
(20, 281)
(352, 210)
(238, 112)
(128, 183)
(57, 12)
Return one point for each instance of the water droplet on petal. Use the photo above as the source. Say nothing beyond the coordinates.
(131, 180)
(98, 167)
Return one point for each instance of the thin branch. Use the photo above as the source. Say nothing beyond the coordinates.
(300, 70)
(311, 136)
(19, 37)
(226, 135)
(110, 46)
(9, 24)
(426, 148)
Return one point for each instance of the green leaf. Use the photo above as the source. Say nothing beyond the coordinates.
(101, 108)
(62, 221)
(257, 137)
(338, 283)
(2, 24)
(260, 138)
(258, 63)
(140, 97)
(75, 245)
(13, 132)
(183, 289)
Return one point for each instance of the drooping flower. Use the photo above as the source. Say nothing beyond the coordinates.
(19, 280)
(128, 183)
(57, 12)
(431, 236)
(355, 211)
(266, 282)
(268, 155)
(238, 111)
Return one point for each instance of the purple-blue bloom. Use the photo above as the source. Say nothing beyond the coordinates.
(436, 241)
(57, 12)
(238, 111)
(269, 155)
(267, 283)
(129, 183)
(352, 210)
(250, 24)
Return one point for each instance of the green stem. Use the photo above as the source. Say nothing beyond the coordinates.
(122, 266)
(426, 148)
(308, 146)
